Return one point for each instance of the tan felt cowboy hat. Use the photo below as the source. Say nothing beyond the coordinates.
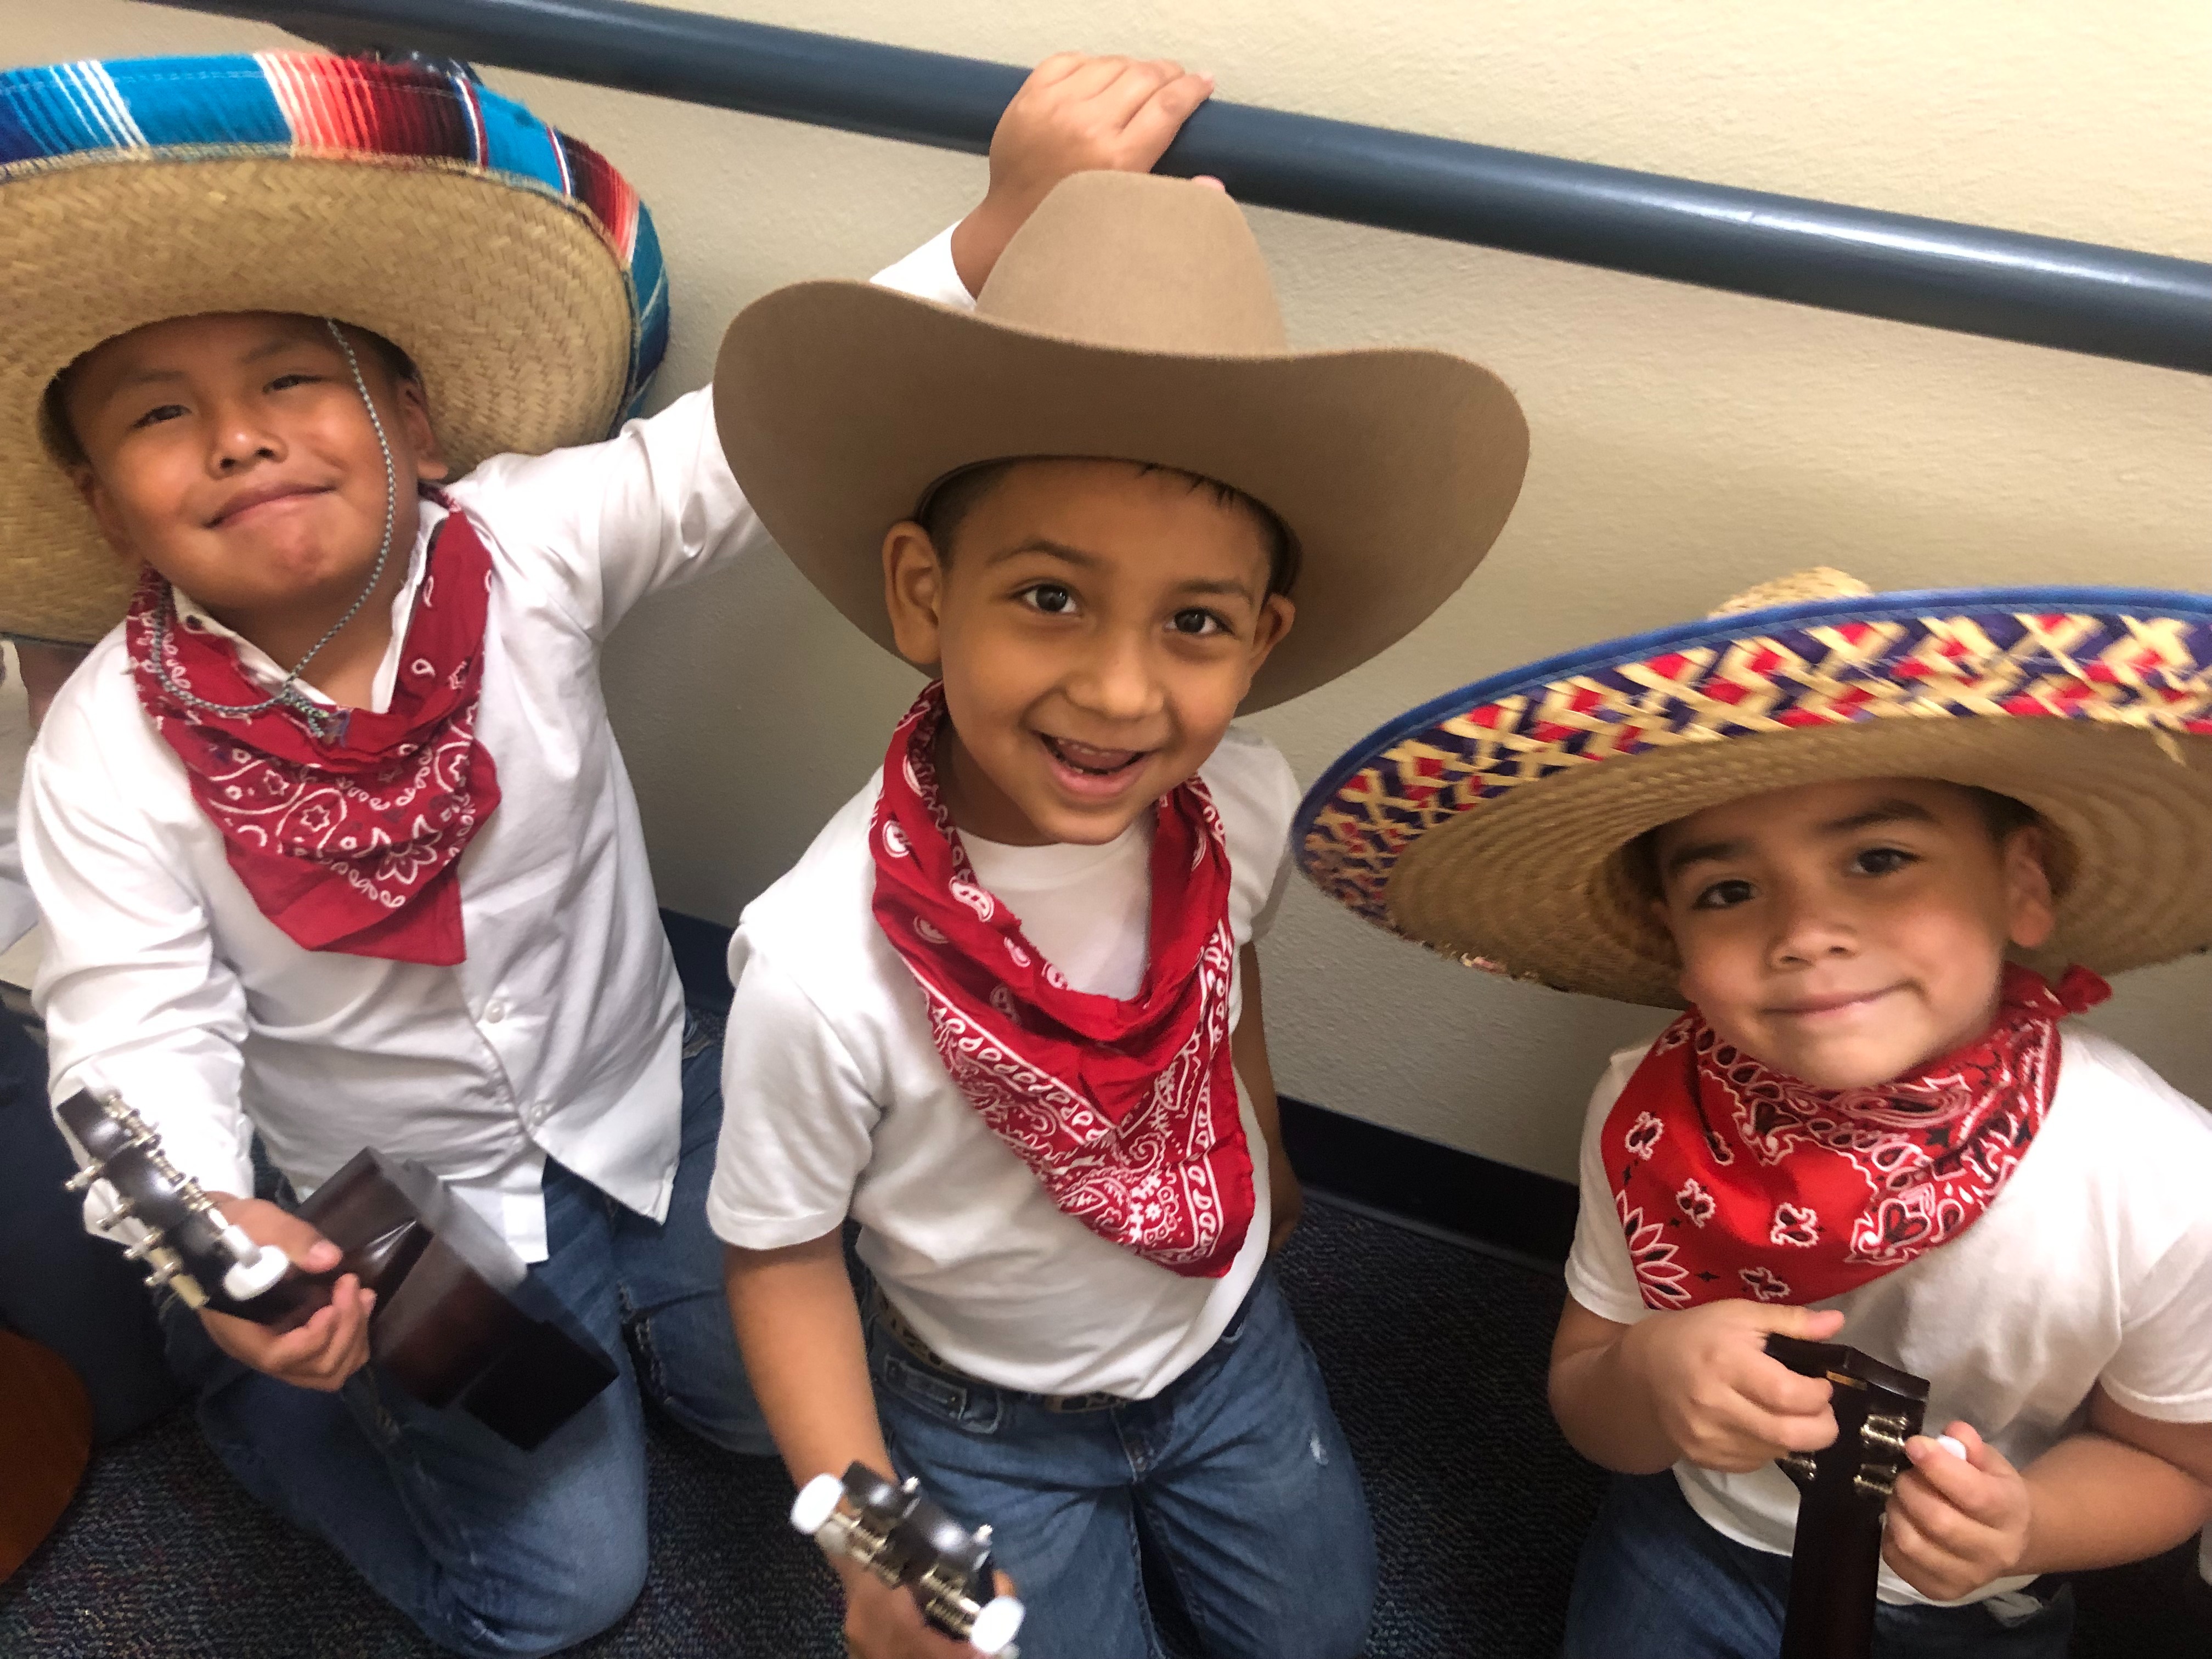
(1131, 318)
(1491, 822)
(513, 265)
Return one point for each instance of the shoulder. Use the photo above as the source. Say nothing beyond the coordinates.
(97, 724)
(814, 925)
(1256, 793)
(2114, 1110)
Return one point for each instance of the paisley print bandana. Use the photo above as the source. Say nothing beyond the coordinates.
(1125, 1111)
(1733, 1181)
(348, 845)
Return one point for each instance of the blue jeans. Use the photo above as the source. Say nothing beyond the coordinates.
(1236, 1470)
(489, 1550)
(1654, 1579)
(58, 1285)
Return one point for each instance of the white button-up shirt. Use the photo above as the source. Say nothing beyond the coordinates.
(560, 1035)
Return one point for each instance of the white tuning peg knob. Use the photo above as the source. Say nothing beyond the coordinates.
(256, 1266)
(996, 1625)
(817, 1502)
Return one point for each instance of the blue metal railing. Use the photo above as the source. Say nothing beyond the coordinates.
(2041, 290)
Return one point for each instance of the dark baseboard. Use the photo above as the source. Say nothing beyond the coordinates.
(1383, 1171)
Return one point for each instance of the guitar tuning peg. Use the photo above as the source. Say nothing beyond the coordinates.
(83, 1178)
(145, 1247)
(1800, 1463)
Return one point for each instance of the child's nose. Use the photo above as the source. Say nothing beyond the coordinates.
(1809, 925)
(1115, 680)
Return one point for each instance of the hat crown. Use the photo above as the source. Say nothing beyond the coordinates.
(1138, 264)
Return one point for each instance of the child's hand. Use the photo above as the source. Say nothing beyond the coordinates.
(1724, 1403)
(1074, 114)
(1956, 1522)
(882, 1621)
(332, 1345)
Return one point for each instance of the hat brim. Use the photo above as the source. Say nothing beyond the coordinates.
(841, 402)
(507, 298)
(1491, 822)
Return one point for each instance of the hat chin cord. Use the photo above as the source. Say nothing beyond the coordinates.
(319, 718)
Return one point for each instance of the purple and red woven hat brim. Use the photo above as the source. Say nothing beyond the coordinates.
(2126, 658)
(306, 104)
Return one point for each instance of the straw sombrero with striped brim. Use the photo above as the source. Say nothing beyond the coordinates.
(514, 264)
(1491, 822)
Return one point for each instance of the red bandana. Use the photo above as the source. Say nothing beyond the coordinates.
(1838, 1186)
(1125, 1111)
(348, 845)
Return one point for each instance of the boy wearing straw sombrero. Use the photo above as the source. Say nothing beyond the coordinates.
(1882, 845)
(330, 832)
(1005, 1010)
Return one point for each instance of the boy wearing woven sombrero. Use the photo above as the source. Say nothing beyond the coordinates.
(330, 832)
(1882, 844)
(1004, 1011)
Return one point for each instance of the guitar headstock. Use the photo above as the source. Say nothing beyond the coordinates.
(902, 1537)
(160, 1214)
(1878, 1409)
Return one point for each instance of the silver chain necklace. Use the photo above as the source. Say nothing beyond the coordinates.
(319, 718)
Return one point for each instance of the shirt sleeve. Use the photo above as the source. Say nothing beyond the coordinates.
(1256, 793)
(134, 998)
(1600, 1275)
(654, 506)
(2163, 1367)
(797, 1117)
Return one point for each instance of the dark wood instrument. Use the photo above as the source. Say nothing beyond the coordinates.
(46, 1436)
(1843, 1490)
(904, 1538)
(457, 1320)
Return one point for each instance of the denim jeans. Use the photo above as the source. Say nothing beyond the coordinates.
(491, 1550)
(1237, 1471)
(59, 1285)
(1655, 1580)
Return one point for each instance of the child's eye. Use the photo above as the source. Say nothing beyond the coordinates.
(286, 382)
(1197, 623)
(157, 415)
(1050, 597)
(1724, 895)
(1882, 860)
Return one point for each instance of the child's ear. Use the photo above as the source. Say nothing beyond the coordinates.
(2031, 911)
(1277, 613)
(103, 507)
(913, 592)
(430, 462)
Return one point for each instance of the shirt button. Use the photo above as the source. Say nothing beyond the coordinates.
(495, 1012)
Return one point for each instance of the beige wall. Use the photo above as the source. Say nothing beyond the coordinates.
(1685, 444)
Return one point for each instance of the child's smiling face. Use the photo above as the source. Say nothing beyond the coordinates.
(1096, 625)
(231, 453)
(1847, 933)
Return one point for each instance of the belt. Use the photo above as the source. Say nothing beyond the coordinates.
(886, 1314)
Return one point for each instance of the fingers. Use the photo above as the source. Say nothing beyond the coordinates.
(1771, 1385)
(265, 1224)
(1152, 128)
(1807, 1324)
(319, 1354)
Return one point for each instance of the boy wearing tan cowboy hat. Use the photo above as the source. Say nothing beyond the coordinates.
(1842, 825)
(1005, 1010)
(330, 831)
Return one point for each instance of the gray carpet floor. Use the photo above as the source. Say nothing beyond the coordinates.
(1435, 1356)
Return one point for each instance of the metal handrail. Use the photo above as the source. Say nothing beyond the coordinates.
(2041, 290)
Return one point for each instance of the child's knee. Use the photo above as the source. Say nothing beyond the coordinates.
(565, 1603)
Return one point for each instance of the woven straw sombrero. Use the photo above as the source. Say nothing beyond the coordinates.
(513, 264)
(1490, 823)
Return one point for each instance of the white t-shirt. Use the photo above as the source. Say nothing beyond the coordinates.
(2093, 1264)
(835, 1101)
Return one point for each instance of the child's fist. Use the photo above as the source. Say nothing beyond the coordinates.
(1720, 1397)
(1956, 1522)
(1074, 114)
